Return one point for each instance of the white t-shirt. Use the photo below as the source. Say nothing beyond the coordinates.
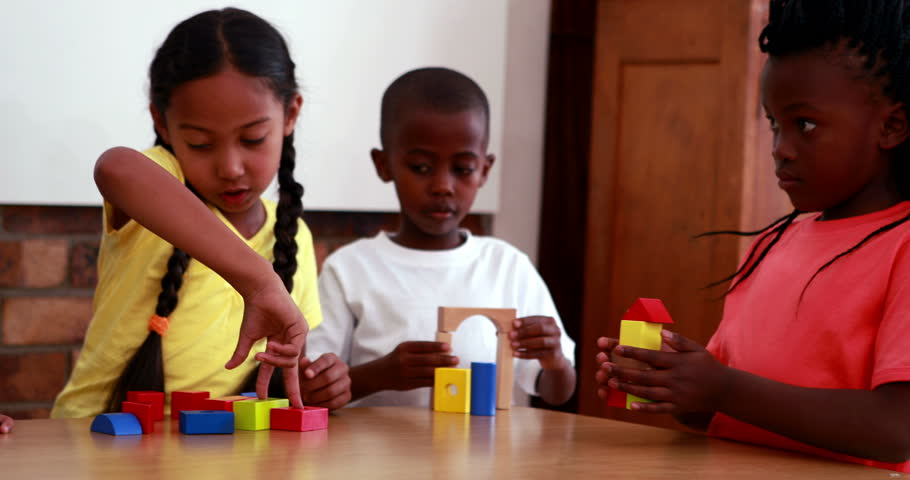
(376, 294)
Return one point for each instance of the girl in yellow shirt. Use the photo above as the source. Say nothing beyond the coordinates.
(184, 271)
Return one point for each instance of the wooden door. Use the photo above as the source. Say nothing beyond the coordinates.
(673, 151)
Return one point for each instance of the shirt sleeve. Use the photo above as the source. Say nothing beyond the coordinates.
(336, 332)
(537, 301)
(305, 285)
(892, 346)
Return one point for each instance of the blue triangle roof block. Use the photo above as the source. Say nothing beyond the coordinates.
(117, 424)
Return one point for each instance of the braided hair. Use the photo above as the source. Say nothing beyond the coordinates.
(198, 47)
(877, 31)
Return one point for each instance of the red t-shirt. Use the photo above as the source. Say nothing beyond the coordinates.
(852, 328)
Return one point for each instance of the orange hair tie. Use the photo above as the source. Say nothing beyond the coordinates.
(159, 324)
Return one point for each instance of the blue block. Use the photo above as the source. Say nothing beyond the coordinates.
(117, 424)
(249, 394)
(196, 422)
(483, 388)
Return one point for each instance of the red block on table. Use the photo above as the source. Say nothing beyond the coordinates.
(144, 412)
(154, 398)
(222, 403)
(299, 419)
(181, 401)
(615, 398)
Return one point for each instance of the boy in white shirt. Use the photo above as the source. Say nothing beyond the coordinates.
(380, 295)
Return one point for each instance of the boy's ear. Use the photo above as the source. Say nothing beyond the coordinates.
(485, 170)
(160, 124)
(293, 111)
(895, 128)
(381, 162)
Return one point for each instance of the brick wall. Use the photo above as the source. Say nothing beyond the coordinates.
(47, 276)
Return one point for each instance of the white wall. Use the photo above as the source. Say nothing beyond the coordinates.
(521, 157)
(75, 83)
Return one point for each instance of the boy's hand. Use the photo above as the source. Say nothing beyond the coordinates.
(271, 313)
(686, 379)
(6, 424)
(413, 364)
(538, 337)
(325, 382)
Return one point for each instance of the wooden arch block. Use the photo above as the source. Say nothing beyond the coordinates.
(451, 317)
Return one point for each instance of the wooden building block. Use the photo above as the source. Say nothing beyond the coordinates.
(249, 394)
(615, 398)
(117, 424)
(449, 318)
(640, 334)
(299, 419)
(632, 398)
(225, 404)
(255, 414)
(148, 396)
(181, 401)
(452, 390)
(204, 422)
(648, 310)
(483, 388)
(144, 412)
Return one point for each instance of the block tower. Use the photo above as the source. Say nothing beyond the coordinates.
(640, 327)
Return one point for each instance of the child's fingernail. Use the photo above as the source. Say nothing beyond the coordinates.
(516, 323)
(613, 382)
(601, 393)
(309, 373)
(666, 334)
(619, 350)
(515, 344)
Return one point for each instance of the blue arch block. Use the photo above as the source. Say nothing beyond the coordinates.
(117, 424)
(199, 422)
(249, 394)
(483, 389)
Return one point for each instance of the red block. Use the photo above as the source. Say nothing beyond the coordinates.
(142, 411)
(615, 398)
(299, 419)
(181, 401)
(222, 403)
(154, 398)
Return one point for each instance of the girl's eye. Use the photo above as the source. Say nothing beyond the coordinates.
(198, 146)
(772, 123)
(805, 126)
(253, 141)
(464, 170)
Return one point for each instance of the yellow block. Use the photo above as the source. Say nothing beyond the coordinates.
(255, 414)
(640, 334)
(452, 390)
(632, 398)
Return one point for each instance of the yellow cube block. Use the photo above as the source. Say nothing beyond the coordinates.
(255, 414)
(640, 334)
(452, 390)
(632, 398)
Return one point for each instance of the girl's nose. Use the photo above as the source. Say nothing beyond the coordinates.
(229, 165)
(782, 148)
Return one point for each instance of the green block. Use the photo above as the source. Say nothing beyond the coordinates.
(255, 414)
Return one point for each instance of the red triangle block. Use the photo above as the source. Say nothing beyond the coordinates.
(648, 310)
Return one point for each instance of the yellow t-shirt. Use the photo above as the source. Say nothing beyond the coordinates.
(203, 328)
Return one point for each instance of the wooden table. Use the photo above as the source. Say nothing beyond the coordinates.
(365, 443)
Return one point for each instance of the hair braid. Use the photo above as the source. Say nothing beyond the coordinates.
(290, 208)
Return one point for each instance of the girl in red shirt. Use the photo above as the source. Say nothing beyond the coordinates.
(812, 352)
